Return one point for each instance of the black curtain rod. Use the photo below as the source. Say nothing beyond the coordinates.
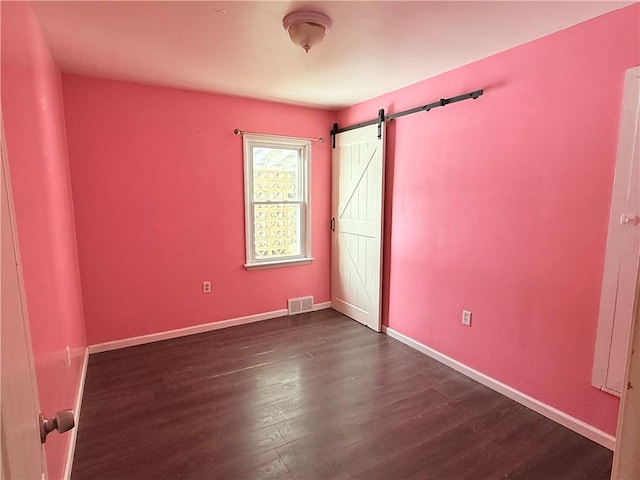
(385, 118)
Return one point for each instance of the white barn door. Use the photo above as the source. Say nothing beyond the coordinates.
(357, 214)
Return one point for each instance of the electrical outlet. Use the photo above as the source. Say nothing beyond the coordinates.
(466, 318)
(206, 286)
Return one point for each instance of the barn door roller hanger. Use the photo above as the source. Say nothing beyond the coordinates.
(385, 118)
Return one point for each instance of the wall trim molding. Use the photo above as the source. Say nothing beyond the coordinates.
(321, 306)
(74, 432)
(183, 332)
(552, 413)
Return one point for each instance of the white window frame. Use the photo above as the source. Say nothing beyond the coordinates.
(250, 141)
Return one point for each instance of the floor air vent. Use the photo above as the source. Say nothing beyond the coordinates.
(300, 305)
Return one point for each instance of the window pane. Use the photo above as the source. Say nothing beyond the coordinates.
(275, 174)
(276, 179)
(277, 230)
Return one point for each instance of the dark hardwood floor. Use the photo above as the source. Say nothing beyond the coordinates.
(309, 397)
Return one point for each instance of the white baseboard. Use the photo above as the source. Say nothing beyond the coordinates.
(548, 411)
(74, 432)
(182, 332)
(321, 306)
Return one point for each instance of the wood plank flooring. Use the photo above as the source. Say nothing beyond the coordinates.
(315, 396)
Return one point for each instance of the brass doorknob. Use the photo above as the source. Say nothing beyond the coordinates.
(63, 421)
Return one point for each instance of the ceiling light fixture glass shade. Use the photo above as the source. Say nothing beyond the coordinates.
(306, 29)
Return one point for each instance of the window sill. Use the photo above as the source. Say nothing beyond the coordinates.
(279, 263)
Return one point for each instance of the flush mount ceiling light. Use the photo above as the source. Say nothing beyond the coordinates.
(306, 29)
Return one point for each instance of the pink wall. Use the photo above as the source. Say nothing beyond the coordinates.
(37, 150)
(158, 189)
(500, 206)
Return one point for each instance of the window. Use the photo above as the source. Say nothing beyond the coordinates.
(276, 184)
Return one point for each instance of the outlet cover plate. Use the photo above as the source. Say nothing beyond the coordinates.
(466, 318)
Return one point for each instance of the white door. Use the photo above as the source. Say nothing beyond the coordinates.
(357, 207)
(22, 453)
(623, 249)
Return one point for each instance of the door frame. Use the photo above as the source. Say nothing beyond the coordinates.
(626, 463)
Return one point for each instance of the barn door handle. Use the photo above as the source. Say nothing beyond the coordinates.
(63, 421)
(333, 224)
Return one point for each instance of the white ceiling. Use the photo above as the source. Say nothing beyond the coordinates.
(240, 47)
